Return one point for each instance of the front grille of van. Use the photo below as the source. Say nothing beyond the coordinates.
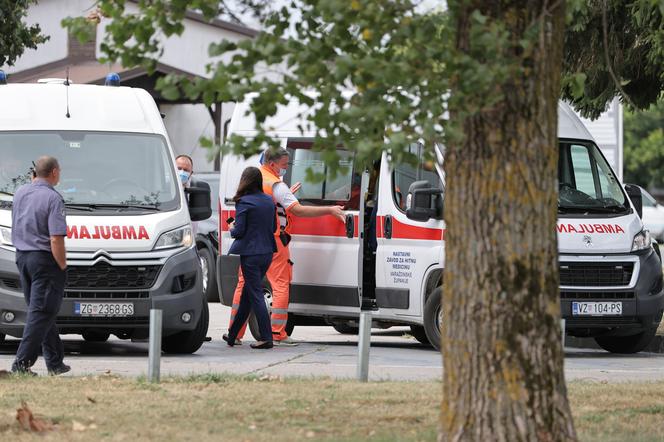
(69, 294)
(595, 295)
(595, 274)
(105, 276)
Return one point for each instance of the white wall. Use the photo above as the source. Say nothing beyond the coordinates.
(48, 14)
(189, 51)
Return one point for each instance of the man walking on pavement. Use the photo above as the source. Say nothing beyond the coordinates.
(275, 166)
(38, 233)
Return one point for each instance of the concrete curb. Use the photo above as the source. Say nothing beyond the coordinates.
(656, 345)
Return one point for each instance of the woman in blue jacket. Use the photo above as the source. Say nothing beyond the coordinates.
(253, 230)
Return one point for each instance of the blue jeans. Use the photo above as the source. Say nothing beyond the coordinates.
(254, 268)
(43, 284)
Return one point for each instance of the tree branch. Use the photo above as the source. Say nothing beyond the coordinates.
(605, 35)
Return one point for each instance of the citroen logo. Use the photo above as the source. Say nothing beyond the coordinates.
(587, 240)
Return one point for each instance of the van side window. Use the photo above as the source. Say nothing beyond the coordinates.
(342, 189)
(586, 181)
(405, 174)
(583, 173)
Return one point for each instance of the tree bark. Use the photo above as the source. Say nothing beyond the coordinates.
(503, 373)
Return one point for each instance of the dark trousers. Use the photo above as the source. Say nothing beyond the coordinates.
(254, 268)
(43, 287)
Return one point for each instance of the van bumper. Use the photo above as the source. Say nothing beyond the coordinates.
(178, 288)
(642, 305)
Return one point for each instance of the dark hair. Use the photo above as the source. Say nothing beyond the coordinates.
(251, 181)
(274, 155)
(187, 157)
(45, 165)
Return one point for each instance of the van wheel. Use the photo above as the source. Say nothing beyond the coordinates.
(345, 329)
(626, 344)
(208, 275)
(188, 341)
(433, 318)
(95, 336)
(2, 338)
(418, 333)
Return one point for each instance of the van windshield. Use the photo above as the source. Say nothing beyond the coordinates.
(586, 182)
(100, 170)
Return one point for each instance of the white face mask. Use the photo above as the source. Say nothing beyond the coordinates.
(282, 172)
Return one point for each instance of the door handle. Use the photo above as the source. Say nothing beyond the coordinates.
(350, 226)
(387, 226)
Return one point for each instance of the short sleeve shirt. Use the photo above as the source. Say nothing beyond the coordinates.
(283, 196)
(38, 212)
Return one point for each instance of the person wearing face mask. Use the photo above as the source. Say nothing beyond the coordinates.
(185, 167)
(38, 233)
(274, 167)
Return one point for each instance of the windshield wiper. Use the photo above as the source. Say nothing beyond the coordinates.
(95, 206)
(592, 209)
(83, 207)
(123, 206)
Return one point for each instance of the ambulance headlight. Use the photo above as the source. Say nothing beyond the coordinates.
(180, 237)
(6, 236)
(641, 240)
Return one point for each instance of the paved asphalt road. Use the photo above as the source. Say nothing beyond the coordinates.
(322, 352)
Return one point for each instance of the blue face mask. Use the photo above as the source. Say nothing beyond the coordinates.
(282, 172)
(184, 176)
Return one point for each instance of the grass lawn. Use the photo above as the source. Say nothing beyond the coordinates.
(221, 407)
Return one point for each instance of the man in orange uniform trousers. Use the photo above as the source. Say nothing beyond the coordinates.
(275, 166)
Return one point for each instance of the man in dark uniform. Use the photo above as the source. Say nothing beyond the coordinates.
(38, 233)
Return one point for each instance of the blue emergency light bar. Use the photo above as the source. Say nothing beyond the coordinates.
(112, 79)
(3, 77)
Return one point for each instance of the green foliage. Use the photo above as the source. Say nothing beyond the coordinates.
(635, 50)
(644, 147)
(383, 74)
(16, 35)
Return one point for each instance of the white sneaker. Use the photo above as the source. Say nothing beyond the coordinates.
(288, 342)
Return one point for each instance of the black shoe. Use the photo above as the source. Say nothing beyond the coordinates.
(263, 346)
(23, 372)
(61, 369)
(230, 344)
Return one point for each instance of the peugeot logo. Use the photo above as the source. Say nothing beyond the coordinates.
(587, 240)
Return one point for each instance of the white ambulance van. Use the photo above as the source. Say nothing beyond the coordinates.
(129, 238)
(392, 246)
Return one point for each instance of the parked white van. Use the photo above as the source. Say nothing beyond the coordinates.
(129, 239)
(392, 245)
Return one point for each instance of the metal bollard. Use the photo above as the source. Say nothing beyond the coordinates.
(154, 351)
(363, 347)
(562, 325)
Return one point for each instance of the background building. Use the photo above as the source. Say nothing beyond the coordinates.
(188, 121)
(185, 121)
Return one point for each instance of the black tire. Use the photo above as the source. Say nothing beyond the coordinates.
(95, 336)
(420, 334)
(2, 338)
(208, 273)
(345, 329)
(627, 344)
(188, 341)
(433, 317)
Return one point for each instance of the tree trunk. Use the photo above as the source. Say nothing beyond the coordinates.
(502, 353)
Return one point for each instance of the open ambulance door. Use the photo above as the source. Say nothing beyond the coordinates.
(409, 249)
(325, 251)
